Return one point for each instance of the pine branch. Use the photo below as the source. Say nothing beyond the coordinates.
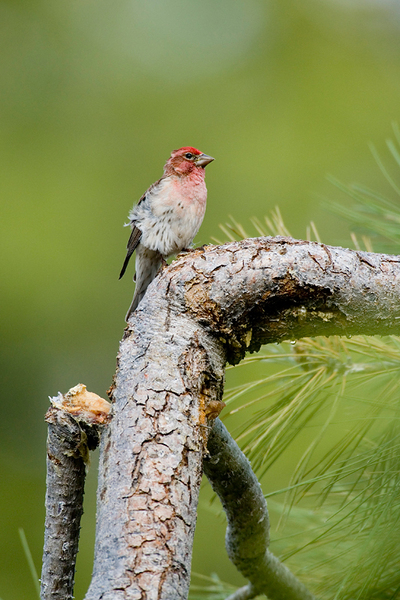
(247, 535)
(208, 308)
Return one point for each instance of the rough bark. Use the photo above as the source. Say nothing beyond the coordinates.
(208, 308)
(247, 534)
(151, 455)
(64, 498)
(72, 432)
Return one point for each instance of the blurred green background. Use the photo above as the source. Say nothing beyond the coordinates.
(94, 96)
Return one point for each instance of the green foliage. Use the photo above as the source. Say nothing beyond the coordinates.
(94, 97)
(338, 401)
(332, 408)
(210, 588)
(31, 564)
(373, 212)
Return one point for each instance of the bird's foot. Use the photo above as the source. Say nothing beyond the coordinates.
(185, 251)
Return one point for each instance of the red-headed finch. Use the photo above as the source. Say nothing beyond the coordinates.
(167, 217)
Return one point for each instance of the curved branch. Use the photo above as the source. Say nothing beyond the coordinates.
(247, 534)
(207, 308)
(264, 290)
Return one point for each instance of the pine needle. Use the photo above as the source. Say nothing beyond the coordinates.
(31, 564)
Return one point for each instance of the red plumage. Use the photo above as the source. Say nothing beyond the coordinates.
(167, 217)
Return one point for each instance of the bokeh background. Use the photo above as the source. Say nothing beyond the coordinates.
(94, 96)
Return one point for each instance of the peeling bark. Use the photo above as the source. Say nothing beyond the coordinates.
(208, 308)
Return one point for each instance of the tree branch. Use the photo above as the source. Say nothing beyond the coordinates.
(208, 308)
(73, 430)
(247, 534)
(264, 290)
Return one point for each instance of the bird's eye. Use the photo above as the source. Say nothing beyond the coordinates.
(188, 155)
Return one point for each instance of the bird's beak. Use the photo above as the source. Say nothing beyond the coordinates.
(203, 160)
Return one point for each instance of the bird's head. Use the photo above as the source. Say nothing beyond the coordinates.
(186, 160)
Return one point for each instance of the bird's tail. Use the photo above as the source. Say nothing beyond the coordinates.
(148, 263)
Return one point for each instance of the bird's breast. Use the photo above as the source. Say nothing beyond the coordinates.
(175, 215)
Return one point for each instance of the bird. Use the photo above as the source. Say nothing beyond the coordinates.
(167, 217)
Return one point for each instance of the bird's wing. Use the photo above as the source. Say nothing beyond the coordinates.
(133, 242)
(151, 189)
(136, 233)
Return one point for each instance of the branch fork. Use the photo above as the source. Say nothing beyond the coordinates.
(206, 309)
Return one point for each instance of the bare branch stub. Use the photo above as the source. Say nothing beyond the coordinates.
(73, 429)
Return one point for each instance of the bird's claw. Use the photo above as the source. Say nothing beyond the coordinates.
(185, 251)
